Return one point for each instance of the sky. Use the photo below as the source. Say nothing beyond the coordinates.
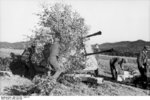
(118, 20)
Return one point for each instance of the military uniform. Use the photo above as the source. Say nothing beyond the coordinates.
(26, 59)
(46, 54)
(53, 58)
(142, 62)
(116, 66)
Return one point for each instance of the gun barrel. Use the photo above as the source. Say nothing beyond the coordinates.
(94, 34)
(104, 51)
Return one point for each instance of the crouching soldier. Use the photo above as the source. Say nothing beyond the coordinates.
(26, 58)
(116, 65)
(142, 61)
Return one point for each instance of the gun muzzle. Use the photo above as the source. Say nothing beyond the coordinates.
(94, 34)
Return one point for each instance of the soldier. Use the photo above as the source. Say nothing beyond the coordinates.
(26, 59)
(46, 53)
(115, 65)
(16, 65)
(27, 54)
(44, 66)
(142, 61)
(53, 58)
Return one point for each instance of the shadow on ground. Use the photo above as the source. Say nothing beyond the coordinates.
(136, 82)
(17, 90)
(26, 69)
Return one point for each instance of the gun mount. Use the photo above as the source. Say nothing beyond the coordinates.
(91, 35)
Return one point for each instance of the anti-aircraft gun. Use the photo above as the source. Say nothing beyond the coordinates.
(91, 66)
(93, 53)
(88, 36)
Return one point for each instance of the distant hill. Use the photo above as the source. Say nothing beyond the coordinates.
(124, 48)
(16, 45)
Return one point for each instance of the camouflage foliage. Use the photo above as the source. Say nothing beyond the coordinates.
(61, 21)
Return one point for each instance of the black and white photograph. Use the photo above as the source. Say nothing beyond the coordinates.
(74, 48)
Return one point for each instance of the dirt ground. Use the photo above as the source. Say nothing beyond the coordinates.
(107, 88)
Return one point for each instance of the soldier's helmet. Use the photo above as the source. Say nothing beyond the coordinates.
(146, 47)
(12, 55)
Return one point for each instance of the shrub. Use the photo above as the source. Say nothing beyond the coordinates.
(61, 21)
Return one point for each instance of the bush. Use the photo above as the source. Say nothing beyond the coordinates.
(4, 64)
(61, 21)
(45, 84)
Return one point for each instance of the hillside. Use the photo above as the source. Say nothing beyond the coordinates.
(124, 48)
(16, 45)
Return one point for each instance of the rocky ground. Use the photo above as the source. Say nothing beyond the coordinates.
(108, 88)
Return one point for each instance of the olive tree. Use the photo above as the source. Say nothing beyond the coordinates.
(59, 20)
